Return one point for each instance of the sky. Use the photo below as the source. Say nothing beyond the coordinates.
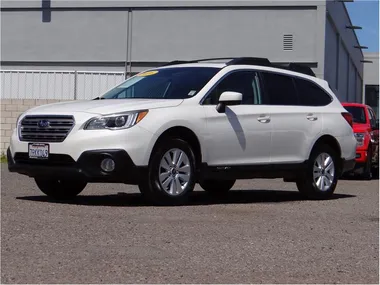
(365, 13)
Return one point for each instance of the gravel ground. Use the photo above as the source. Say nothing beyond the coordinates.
(263, 233)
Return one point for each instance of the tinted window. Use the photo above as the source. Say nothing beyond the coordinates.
(358, 114)
(168, 83)
(372, 118)
(310, 94)
(245, 82)
(280, 89)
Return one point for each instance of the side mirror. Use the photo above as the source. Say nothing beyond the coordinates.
(228, 98)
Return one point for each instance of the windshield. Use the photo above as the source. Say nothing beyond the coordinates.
(168, 83)
(357, 113)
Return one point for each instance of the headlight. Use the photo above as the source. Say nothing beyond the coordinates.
(360, 138)
(116, 121)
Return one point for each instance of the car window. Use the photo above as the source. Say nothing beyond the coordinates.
(310, 94)
(372, 118)
(245, 82)
(280, 89)
(358, 114)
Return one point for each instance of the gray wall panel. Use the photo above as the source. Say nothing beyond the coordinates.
(359, 89)
(70, 36)
(188, 34)
(352, 83)
(337, 11)
(331, 54)
(343, 73)
(160, 3)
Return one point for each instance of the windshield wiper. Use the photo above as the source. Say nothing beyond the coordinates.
(98, 98)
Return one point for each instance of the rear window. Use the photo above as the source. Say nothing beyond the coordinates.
(310, 94)
(358, 114)
(280, 89)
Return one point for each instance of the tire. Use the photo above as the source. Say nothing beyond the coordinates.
(170, 183)
(217, 187)
(311, 185)
(367, 171)
(61, 189)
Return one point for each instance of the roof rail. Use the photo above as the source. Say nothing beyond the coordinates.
(197, 60)
(292, 66)
(250, 61)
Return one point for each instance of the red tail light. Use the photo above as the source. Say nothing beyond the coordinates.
(348, 118)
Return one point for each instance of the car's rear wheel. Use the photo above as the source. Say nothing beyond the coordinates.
(62, 189)
(217, 187)
(171, 173)
(320, 177)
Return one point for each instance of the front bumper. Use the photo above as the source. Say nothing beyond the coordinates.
(361, 156)
(87, 166)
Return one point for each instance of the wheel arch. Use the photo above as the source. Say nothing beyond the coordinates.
(332, 142)
(185, 134)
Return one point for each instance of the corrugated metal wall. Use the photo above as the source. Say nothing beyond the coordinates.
(58, 85)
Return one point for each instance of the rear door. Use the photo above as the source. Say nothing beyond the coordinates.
(296, 121)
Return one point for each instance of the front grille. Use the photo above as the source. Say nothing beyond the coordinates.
(53, 160)
(45, 128)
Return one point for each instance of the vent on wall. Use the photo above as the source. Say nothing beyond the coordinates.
(288, 42)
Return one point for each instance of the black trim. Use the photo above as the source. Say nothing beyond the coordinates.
(226, 172)
(87, 166)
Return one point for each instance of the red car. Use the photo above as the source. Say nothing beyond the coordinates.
(366, 129)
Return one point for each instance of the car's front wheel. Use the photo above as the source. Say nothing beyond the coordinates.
(61, 189)
(320, 177)
(171, 173)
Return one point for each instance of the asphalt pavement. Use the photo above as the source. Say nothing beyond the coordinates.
(263, 232)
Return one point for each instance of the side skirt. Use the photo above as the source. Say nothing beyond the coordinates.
(225, 172)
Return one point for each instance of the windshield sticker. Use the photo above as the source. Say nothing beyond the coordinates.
(148, 73)
(192, 93)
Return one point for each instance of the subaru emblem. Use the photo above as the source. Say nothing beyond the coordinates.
(43, 124)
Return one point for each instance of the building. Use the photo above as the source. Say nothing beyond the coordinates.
(135, 35)
(80, 45)
(371, 81)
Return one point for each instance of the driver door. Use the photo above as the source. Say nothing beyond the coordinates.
(242, 134)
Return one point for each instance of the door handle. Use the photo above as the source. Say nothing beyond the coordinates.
(311, 117)
(264, 119)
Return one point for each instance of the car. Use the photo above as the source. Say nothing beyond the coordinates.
(210, 121)
(366, 129)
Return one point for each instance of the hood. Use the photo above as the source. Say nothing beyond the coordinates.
(106, 106)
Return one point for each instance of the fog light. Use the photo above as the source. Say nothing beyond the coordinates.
(107, 165)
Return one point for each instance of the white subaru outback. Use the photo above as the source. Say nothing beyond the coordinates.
(202, 122)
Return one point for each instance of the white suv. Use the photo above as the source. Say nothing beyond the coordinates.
(191, 122)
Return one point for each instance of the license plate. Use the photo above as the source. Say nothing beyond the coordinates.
(39, 151)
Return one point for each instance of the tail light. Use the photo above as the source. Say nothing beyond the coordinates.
(348, 118)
